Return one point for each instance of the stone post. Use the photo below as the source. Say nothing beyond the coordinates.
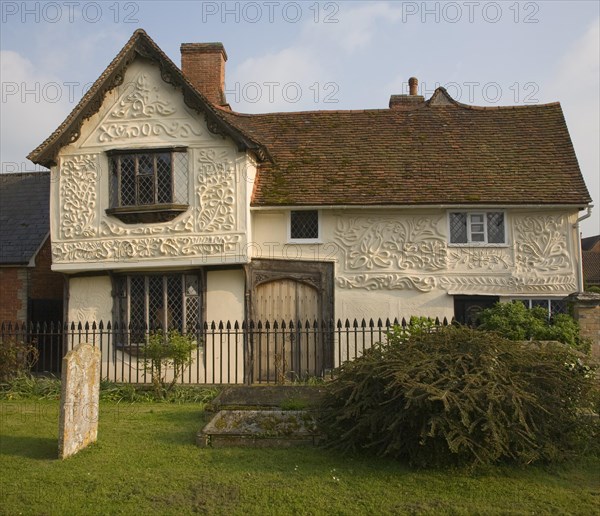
(586, 310)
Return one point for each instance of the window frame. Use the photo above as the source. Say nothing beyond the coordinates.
(156, 211)
(475, 243)
(122, 301)
(529, 302)
(317, 240)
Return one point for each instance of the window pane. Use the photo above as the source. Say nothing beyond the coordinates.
(477, 228)
(156, 302)
(127, 180)
(304, 224)
(145, 165)
(164, 179)
(476, 217)
(137, 318)
(145, 189)
(495, 227)
(174, 300)
(458, 228)
(478, 237)
(558, 306)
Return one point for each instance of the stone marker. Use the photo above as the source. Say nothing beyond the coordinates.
(80, 394)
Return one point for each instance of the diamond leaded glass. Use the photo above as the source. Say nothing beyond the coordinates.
(458, 228)
(495, 227)
(304, 224)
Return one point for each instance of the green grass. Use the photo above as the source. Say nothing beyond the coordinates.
(146, 462)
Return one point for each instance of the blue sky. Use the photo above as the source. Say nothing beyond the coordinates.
(287, 56)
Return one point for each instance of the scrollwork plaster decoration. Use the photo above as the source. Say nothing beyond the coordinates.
(185, 225)
(141, 101)
(557, 284)
(127, 130)
(410, 243)
(541, 244)
(478, 259)
(386, 282)
(78, 196)
(216, 191)
(152, 247)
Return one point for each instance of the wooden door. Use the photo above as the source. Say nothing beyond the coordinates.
(284, 351)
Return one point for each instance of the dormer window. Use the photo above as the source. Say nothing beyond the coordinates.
(148, 185)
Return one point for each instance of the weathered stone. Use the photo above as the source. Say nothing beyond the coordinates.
(586, 310)
(259, 428)
(80, 394)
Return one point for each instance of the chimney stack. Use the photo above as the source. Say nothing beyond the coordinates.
(410, 101)
(413, 86)
(203, 64)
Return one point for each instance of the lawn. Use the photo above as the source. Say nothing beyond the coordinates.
(146, 462)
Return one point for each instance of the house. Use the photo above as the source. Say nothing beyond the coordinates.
(590, 247)
(169, 208)
(30, 292)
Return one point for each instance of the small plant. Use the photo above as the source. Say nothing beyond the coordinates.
(16, 358)
(514, 321)
(164, 352)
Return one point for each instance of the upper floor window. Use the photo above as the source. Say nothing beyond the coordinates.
(477, 227)
(149, 185)
(304, 225)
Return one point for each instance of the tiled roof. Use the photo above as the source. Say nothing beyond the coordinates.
(591, 267)
(24, 213)
(437, 153)
(434, 152)
(590, 243)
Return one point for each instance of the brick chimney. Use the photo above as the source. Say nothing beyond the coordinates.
(410, 101)
(203, 64)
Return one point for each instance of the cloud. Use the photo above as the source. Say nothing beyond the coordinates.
(323, 47)
(31, 109)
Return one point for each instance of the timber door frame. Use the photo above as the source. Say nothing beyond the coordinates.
(318, 275)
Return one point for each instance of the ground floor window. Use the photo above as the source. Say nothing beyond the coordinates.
(150, 302)
(553, 306)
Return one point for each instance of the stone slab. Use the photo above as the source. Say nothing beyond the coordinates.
(80, 395)
(259, 428)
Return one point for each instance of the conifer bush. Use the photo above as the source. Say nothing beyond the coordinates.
(458, 396)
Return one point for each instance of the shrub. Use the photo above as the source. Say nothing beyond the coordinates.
(167, 351)
(516, 322)
(458, 396)
(16, 358)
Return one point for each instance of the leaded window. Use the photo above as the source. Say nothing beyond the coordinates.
(304, 225)
(152, 302)
(554, 306)
(149, 181)
(477, 228)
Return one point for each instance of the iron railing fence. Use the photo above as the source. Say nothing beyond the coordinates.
(226, 352)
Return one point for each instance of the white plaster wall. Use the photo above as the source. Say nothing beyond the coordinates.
(90, 299)
(392, 262)
(225, 293)
(144, 113)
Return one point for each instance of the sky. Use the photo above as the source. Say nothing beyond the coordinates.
(290, 56)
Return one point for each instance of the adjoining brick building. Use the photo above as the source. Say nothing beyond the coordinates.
(29, 291)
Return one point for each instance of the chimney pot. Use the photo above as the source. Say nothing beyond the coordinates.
(203, 64)
(413, 86)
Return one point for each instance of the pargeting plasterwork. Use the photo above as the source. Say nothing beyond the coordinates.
(144, 111)
(409, 243)
(78, 196)
(413, 247)
(541, 246)
(136, 248)
(216, 191)
(185, 225)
